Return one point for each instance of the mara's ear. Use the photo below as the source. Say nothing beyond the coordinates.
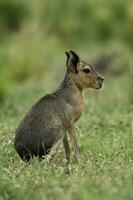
(68, 57)
(72, 61)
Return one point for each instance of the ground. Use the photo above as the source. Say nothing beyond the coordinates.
(105, 135)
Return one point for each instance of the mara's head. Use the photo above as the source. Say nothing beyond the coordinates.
(83, 74)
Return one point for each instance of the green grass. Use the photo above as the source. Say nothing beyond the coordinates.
(34, 36)
(105, 133)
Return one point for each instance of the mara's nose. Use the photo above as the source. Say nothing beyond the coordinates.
(100, 78)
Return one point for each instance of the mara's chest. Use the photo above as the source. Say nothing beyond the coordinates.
(78, 106)
(78, 109)
(75, 102)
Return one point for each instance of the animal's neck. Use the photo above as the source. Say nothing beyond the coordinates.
(73, 95)
(70, 84)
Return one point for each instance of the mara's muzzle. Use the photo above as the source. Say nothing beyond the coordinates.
(100, 80)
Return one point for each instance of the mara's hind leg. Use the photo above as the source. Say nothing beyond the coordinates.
(73, 135)
(67, 149)
(53, 150)
(23, 152)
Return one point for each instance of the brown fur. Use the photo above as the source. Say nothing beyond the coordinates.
(46, 125)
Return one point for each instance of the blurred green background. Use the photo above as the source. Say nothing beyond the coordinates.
(35, 34)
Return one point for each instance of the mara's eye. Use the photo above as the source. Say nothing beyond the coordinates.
(86, 70)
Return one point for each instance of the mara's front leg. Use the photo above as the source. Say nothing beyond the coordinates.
(72, 132)
(67, 149)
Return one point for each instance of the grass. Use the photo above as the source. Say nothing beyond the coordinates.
(105, 133)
